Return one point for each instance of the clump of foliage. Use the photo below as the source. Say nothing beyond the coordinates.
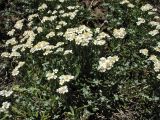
(68, 67)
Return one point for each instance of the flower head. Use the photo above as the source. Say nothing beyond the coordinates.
(119, 33)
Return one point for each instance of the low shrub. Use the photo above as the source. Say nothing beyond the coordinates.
(68, 67)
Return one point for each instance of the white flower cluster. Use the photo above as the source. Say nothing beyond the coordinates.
(124, 2)
(81, 35)
(71, 15)
(15, 54)
(153, 32)
(5, 54)
(62, 80)
(72, 7)
(156, 62)
(19, 24)
(39, 29)
(45, 46)
(61, 1)
(11, 41)
(146, 7)
(149, 8)
(155, 24)
(59, 50)
(144, 51)
(119, 33)
(140, 21)
(42, 45)
(42, 7)
(158, 76)
(66, 52)
(128, 3)
(29, 37)
(11, 33)
(30, 17)
(52, 75)
(16, 69)
(50, 35)
(12, 54)
(46, 18)
(65, 78)
(99, 40)
(62, 90)
(5, 106)
(158, 47)
(63, 23)
(106, 63)
(6, 93)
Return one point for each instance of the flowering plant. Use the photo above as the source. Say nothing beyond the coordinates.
(68, 69)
